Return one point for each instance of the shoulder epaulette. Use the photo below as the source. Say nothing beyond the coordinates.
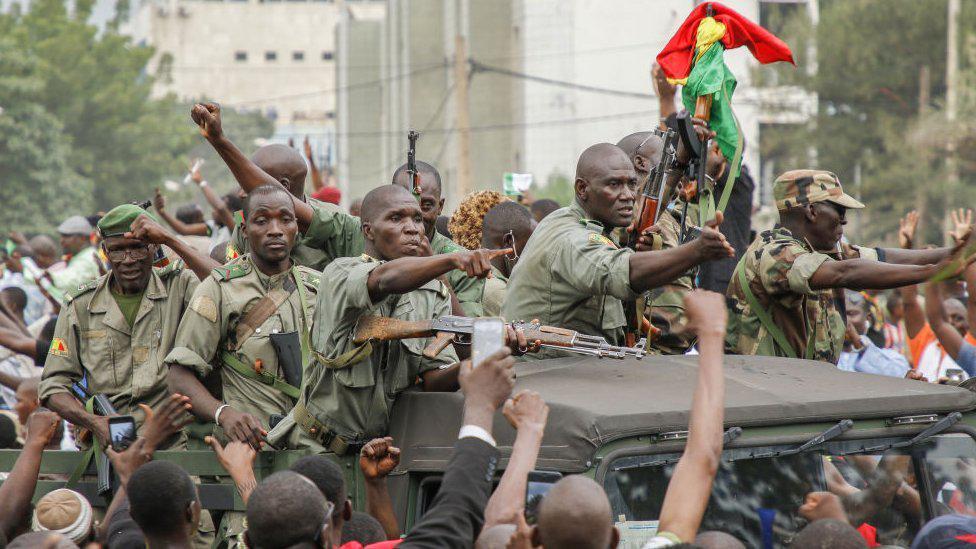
(84, 288)
(174, 267)
(231, 271)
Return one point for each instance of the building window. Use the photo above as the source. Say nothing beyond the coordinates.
(297, 56)
(270, 56)
(327, 56)
(240, 56)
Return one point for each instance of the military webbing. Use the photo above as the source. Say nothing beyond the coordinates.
(348, 358)
(767, 321)
(259, 313)
(239, 366)
(708, 207)
(318, 430)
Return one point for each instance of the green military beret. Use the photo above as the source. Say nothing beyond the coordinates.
(119, 219)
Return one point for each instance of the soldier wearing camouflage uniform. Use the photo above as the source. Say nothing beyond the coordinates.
(780, 297)
(573, 275)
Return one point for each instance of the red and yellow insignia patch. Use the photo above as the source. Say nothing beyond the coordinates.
(58, 348)
(597, 238)
(230, 253)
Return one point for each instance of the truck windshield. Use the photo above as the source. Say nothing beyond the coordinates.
(886, 494)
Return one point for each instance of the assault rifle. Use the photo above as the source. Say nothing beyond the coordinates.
(451, 329)
(654, 197)
(697, 181)
(101, 406)
(412, 137)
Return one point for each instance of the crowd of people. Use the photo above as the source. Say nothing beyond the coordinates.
(240, 332)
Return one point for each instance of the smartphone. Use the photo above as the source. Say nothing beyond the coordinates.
(487, 337)
(538, 485)
(121, 432)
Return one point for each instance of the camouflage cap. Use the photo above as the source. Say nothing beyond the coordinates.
(802, 187)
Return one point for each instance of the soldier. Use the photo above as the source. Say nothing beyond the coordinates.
(327, 230)
(238, 316)
(572, 275)
(780, 297)
(506, 225)
(667, 313)
(114, 331)
(349, 389)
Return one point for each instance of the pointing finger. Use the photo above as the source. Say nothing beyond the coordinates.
(492, 254)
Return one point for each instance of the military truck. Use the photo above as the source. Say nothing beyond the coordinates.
(793, 427)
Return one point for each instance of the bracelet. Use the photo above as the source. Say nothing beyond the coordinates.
(217, 413)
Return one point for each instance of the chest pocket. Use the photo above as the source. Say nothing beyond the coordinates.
(105, 360)
(258, 346)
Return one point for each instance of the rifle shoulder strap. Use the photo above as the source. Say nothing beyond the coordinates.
(767, 321)
(357, 354)
(260, 312)
(235, 363)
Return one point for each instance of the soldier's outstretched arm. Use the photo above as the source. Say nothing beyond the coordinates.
(652, 269)
(406, 274)
(248, 175)
(867, 274)
(900, 256)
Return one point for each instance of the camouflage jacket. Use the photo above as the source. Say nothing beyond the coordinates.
(778, 267)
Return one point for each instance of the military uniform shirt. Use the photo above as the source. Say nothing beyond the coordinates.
(667, 301)
(340, 236)
(355, 401)
(571, 275)
(209, 328)
(778, 267)
(494, 295)
(469, 291)
(93, 340)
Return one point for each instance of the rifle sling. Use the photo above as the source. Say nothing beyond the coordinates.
(764, 318)
(357, 354)
(235, 363)
(259, 313)
(94, 452)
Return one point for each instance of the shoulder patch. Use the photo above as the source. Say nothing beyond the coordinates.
(231, 253)
(204, 306)
(84, 288)
(174, 267)
(231, 271)
(597, 238)
(58, 347)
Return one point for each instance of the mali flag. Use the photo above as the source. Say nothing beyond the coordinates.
(694, 57)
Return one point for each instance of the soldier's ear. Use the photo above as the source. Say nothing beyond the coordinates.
(810, 213)
(367, 230)
(581, 187)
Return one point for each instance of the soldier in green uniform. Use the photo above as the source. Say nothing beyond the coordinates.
(573, 275)
(506, 225)
(349, 389)
(114, 331)
(236, 316)
(325, 229)
(780, 298)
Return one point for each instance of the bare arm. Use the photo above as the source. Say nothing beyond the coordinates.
(914, 315)
(665, 93)
(18, 489)
(377, 460)
(406, 274)
(10, 381)
(690, 486)
(144, 228)
(189, 229)
(948, 336)
(900, 256)
(237, 425)
(527, 413)
(18, 343)
(317, 181)
(221, 212)
(68, 407)
(652, 269)
(247, 174)
(864, 273)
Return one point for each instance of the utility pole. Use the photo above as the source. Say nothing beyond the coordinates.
(952, 91)
(461, 101)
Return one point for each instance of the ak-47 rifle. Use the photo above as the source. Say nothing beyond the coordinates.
(654, 198)
(697, 181)
(412, 137)
(101, 406)
(449, 329)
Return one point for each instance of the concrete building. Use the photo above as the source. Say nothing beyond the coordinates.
(399, 74)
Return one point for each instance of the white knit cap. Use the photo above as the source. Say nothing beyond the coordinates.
(65, 512)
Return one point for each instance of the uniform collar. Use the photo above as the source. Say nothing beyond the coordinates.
(781, 231)
(103, 302)
(577, 211)
(268, 281)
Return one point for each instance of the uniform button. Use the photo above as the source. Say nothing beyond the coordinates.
(313, 430)
(257, 331)
(274, 331)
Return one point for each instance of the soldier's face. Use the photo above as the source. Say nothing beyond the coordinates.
(828, 225)
(609, 195)
(397, 230)
(271, 227)
(131, 261)
(431, 203)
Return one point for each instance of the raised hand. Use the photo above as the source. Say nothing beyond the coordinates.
(962, 221)
(526, 410)
(712, 243)
(477, 263)
(715, 162)
(41, 426)
(243, 427)
(207, 116)
(490, 384)
(168, 419)
(159, 201)
(906, 230)
(662, 87)
(147, 230)
(126, 462)
(706, 312)
(237, 458)
(378, 458)
(645, 243)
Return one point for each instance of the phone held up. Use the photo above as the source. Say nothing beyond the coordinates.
(487, 337)
(121, 432)
(538, 485)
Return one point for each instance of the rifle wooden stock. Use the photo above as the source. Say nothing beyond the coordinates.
(381, 328)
